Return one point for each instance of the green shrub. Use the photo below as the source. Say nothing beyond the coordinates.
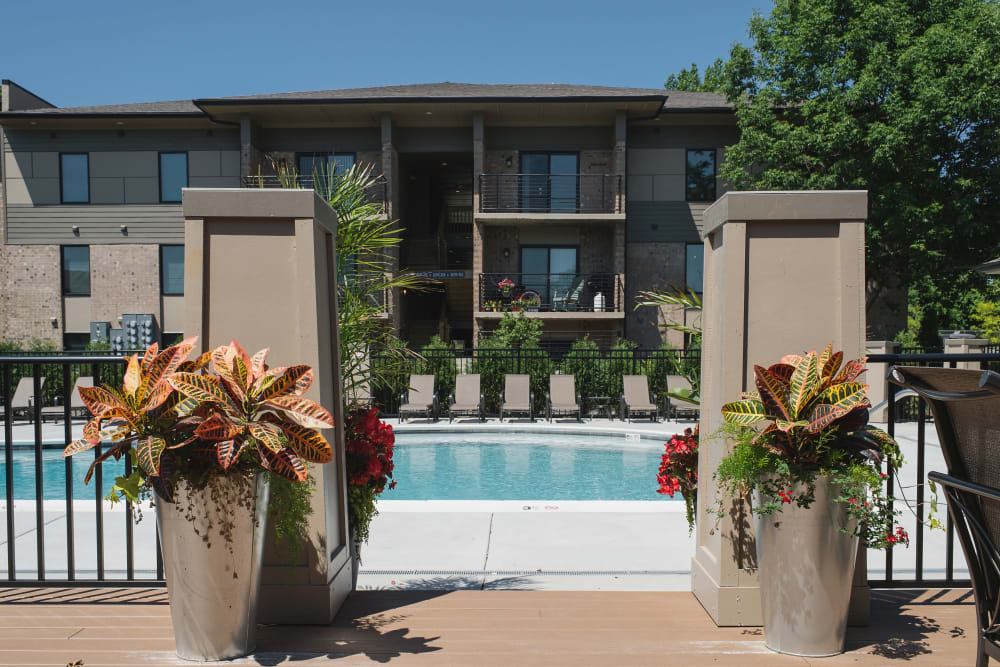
(439, 361)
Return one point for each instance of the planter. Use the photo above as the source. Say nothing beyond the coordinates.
(806, 567)
(214, 583)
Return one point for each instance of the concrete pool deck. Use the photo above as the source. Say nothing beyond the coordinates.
(530, 544)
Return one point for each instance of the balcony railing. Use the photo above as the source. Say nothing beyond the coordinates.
(378, 193)
(550, 193)
(551, 292)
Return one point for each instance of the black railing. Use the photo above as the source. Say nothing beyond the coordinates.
(598, 372)
(378, 192)
(550, 193)
(551, 292)
(921, 567)
(74, 534)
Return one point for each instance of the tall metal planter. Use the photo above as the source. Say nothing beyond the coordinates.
(212, 541)
(806, 568)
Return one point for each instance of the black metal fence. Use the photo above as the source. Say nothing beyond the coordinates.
(378, 192)
(44, 499)
(551, 292)
(550, 193)
(910, 482)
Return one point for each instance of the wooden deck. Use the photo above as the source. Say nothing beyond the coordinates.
(109, 627)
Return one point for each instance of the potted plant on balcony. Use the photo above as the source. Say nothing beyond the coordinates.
(814, 473)
(204, 448)
(529, 301)
(506, 286)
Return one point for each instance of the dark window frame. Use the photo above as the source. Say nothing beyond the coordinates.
(62, 200)
(548, 246)
(79, 335)
(315, 154)
(62, 271)
(715, 173)
(159, 173)
(548, 154)
(686, 285)
(163, 291)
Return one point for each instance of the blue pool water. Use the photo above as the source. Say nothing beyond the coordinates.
(54, 475)
(443, 466)
(524, 466)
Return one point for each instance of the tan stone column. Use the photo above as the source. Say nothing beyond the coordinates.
(878, 384)
(784, 273)
(260, 268)
(966, 346)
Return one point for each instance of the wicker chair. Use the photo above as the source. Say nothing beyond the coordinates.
(966, 409)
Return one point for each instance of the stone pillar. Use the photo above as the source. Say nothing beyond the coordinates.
(878, 384)
(478, 167)
(246, 147)
(259, 266)
(784, 273)
(621, 141)
(966, 346)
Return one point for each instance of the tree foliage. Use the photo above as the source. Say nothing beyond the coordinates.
(690, 80)
(899, 97)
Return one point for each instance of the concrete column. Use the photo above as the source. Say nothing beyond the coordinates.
(966, 346)
(478, 167)
(390, 170)
(784, 273)
(259, 266)
(878, 385)
(246, 147)
(621, 125)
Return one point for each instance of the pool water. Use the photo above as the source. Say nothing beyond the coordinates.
(54, 475)
(524, 466)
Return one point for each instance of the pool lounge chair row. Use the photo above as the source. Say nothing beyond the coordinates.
(517, 398)
(22, 401)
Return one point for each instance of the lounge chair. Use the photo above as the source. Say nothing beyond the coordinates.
(562, 398)
(467, 399)
(76, 405)
(570, 299)
(517, 396)
(23, 398)
(637, 399)
(673, 406)
(421, 399)
(966, 409)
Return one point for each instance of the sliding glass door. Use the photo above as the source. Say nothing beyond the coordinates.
(550, 271)
(549, 182)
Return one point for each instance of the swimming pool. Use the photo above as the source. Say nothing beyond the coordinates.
(480, 465)
(524, 466)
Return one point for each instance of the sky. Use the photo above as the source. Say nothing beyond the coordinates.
(113, 52)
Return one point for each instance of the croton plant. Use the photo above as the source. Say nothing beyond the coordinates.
(807, 417)
(170, 413)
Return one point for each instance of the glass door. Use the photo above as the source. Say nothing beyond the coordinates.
(534, 182)
(564, 188)
(549, 182)
(551, 272)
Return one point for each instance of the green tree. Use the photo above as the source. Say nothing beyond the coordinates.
(899, 97)
(714, 80)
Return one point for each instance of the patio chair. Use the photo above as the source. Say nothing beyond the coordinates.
(23, 398)
(966, 409)
(517, 396)
(570, 299)
(76, 405)
(562, 398)
(637, 399)
(674, 407)
(466, 399)
(421, 398)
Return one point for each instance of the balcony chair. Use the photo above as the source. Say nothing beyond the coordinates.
(420, 400)
(76, 406)
(562, 398)
(636, 398)
(966, 409)
(517, 396)
(570, 299)
(23, 399)
(674, 406)
(466, 399)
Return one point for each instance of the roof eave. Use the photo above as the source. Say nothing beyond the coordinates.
(430, 100)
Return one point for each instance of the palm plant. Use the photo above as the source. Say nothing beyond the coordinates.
(366, 245)
(685, 299)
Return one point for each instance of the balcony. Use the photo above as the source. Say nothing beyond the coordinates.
(378, 193)
(552, 295)
(551, 194)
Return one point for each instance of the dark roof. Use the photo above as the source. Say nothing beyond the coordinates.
(429, 92)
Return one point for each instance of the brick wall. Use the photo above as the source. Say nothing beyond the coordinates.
(652, 266)
(124, 279)
(30, 293)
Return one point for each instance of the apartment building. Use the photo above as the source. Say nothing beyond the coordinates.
(560, 200)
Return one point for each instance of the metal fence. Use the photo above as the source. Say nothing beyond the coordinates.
(551, 292)
(550, 193)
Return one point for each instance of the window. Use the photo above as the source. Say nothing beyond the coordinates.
(172, 270)
(75, 342)
(550, 271)
(549, 182)
(74, 178)
(700, 180)
(76, 270)
(311, 165)
(168, 339)
(173, 176)
(694, 266)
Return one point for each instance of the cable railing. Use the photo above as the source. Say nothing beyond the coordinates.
(378, 192)
(550, 193)
(551, 292)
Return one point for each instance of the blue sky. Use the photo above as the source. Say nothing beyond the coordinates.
(109, 52)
